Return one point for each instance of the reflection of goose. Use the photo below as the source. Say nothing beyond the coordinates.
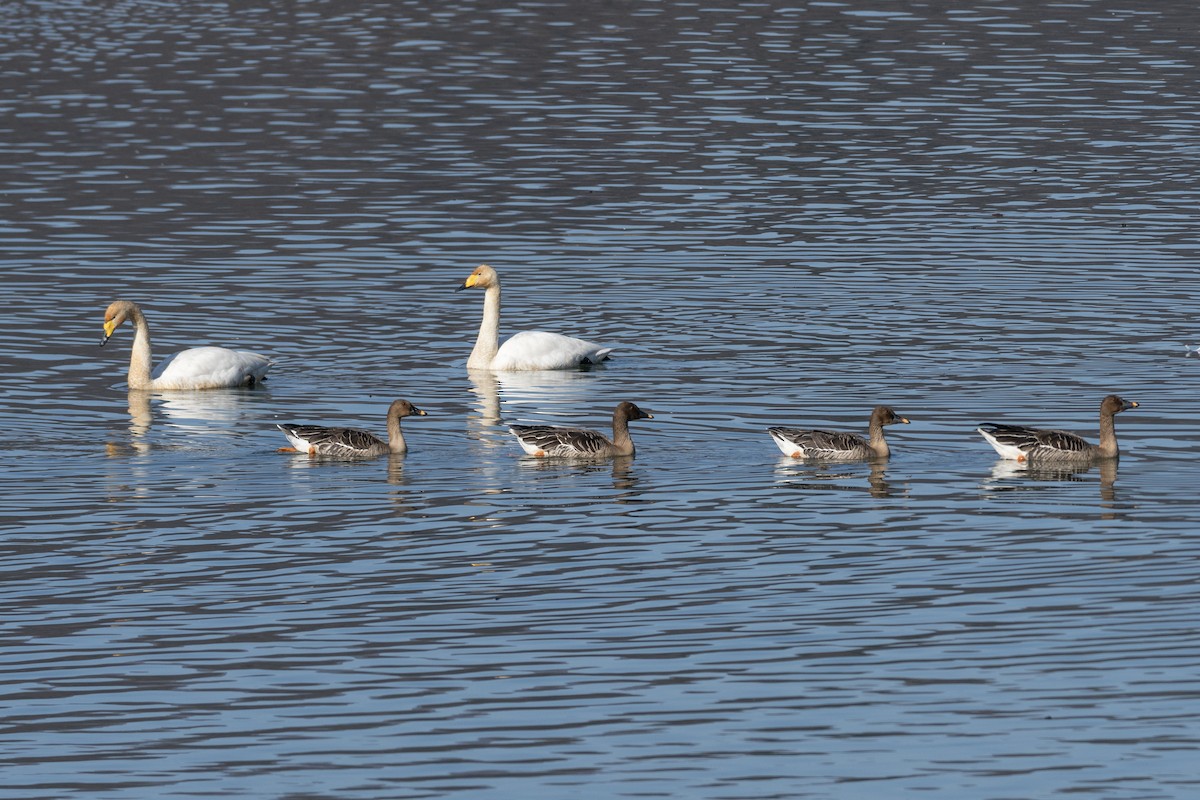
(837, 445)
(1054, 472)
(1021, 443)
(527, 349)
(1049, 472)
(196, 368)
(318, 440)
(555, 442)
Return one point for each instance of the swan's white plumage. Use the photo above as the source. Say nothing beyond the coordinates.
(210, 368)
(527, 350)
(544, 350)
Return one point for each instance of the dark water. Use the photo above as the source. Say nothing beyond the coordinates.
(780, 213)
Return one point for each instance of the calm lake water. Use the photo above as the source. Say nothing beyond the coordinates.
(779, 213)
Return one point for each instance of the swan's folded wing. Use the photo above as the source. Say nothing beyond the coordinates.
(211, 367)
(544, 350)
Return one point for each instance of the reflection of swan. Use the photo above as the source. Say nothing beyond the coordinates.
(1021, 443)
(837, 445)
(486, 388)
(555, 442)
(196, 368)
(569, 389)
(318, 440)
(527, 349)
(140, 418)
(184, 408)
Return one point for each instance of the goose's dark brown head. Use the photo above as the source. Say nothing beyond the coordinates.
(403, 408)
(884, 415)
(1114, 404)
(631, 411)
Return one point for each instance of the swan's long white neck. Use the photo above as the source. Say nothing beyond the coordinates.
(139, 359)
(488, 343)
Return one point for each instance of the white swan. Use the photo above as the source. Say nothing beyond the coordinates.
(197, 368)
(527, 349)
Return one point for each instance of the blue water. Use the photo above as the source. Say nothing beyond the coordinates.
(778, 214)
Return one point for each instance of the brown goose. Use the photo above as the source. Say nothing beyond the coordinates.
(195, 368)
(836, 445)
(317, 440)
(549, 441)
(1021, 443)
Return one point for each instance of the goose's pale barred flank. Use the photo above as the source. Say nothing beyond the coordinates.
(196, 368)
(524, 350)
(318, 440)
(1038, 445)
(549, 441)
(838, 445)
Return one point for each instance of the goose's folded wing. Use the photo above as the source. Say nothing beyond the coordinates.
(1028, 439)
(818, 442)
(1062, 442)
(331, 440)
(554, 440)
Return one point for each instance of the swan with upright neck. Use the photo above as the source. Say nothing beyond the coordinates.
(195, 368)
(527, 350)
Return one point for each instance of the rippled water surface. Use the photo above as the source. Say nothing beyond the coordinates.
(779, 213)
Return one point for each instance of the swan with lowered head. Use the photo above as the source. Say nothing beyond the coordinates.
(1040, 445)
(836, 445)
(527, 349)
(195, 368)
(318, 440)
(554, 442)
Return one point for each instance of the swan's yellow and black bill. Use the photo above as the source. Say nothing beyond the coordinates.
(110, 325)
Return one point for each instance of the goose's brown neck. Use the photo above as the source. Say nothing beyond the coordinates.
(1108, 435)
(877, 442)
(396, 443)
(622, 442)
